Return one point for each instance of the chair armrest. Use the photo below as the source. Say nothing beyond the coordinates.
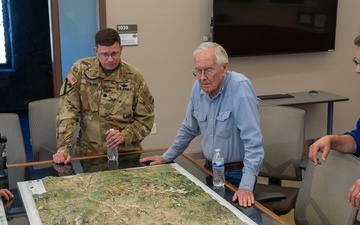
(304, 163)
(267, 197)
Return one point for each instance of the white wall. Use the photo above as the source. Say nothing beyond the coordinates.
(170, 30)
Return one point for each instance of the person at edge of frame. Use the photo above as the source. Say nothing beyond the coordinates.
(349, 142)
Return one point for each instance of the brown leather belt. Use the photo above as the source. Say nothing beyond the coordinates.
(229, 166)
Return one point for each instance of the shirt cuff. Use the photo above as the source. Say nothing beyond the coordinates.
(248, 182)
(64, 149)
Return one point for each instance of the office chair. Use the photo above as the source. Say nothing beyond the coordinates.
(42, 123)
(11, 129)
(283, 135)
(322, 199)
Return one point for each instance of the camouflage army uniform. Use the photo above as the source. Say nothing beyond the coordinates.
(99, 102)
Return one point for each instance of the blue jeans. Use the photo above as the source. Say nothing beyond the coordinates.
(234, 177)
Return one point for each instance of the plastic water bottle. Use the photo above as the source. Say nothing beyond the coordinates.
(112, 153)
(218, 167)
(113, 164)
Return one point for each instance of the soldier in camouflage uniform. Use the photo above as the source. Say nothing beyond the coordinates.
(100, 93)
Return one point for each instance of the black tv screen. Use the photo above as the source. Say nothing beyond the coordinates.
(262, 27)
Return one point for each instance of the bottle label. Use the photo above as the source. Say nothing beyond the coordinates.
(218, 164)
(218, 173)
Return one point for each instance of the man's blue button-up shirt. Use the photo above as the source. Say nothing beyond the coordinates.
(229, 121)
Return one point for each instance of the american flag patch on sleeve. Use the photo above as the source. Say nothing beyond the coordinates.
(71, 78)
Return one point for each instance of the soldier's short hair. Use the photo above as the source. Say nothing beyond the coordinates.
(107, 37)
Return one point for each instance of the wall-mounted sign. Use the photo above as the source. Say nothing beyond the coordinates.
(128, 34)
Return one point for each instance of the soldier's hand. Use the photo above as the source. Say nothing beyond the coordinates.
(61, 157)
(153, 160)
(114, 138)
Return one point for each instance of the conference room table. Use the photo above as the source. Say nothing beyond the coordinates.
(306, 98)
(16, 212)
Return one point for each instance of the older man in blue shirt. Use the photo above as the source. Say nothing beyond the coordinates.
(223, 109)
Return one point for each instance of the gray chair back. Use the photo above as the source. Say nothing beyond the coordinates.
(283, 135)
(42, 123)
(322, 199)
(10, 128)
(283, 132)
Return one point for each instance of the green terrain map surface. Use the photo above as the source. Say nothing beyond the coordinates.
(146, 195)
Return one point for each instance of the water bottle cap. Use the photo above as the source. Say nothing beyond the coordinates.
(217, 150)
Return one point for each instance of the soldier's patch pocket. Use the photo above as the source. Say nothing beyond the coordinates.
(148, 104)
(119, 103)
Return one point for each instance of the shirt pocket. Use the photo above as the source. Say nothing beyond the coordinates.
(90, 95)
(121, 105)
(201, 120)
(225, 124)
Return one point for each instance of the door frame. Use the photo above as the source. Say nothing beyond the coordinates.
(55, 37)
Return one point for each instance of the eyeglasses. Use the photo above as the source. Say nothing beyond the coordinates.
(107, 55)
(356, 61)
(207, 71)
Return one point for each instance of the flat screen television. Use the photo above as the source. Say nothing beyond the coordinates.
(264, 27)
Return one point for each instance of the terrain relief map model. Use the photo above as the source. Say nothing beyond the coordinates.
(147, 195)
